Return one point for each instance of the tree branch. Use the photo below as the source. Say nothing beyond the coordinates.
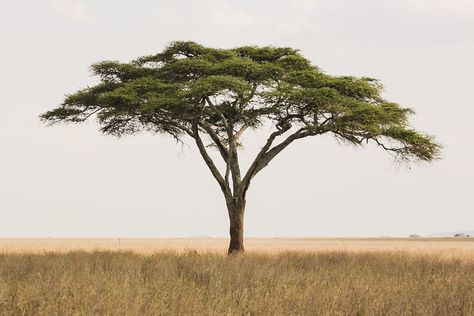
(208, 160)
(264, 157)
(224, 152)
(224, 120)
(90, 114)
(249, 98)
(351, 138)
(270, 154)
(227, 171)
(232, 157)
(250, 172)
(396, 150)
(240, 132)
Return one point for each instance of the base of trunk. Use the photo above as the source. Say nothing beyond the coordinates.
(236, 231)
(235, 248)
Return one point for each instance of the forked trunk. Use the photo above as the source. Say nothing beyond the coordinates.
(236, 217)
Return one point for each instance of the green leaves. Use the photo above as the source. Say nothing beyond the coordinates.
(241, 87)
(214, 85)
(115, 72)
(364, 89)
(266, 53)
(413, 144)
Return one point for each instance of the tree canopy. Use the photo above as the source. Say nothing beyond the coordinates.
(192, 90)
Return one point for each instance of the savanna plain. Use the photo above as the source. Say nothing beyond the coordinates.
(276, 276)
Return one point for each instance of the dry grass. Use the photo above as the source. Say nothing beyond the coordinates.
(192, 283)
(459, 248)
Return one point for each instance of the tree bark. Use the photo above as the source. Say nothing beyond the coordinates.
(236, 217)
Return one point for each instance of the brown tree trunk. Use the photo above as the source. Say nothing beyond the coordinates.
(236, 217)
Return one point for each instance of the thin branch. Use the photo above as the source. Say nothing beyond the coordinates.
(270, 154)
(397, 150)
(233, 159)
(224, 120)
(227, 171)
(350, 138)
(327, 119)
(240, 132)
(264, 159)
(249, 98)
(181, 127)
(224, 152)
(261, 153)
(208, 160)
(232, 155)
(90, 114)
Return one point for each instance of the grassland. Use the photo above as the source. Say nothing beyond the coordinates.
(209, 283)
(458, 248)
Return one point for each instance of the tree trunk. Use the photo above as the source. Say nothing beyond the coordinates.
(236, 217)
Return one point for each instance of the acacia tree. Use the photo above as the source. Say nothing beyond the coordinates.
(215, 95)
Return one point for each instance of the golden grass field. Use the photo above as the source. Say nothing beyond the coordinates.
(277, 276)
(460, 248)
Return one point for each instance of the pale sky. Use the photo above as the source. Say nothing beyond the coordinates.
(71, 181)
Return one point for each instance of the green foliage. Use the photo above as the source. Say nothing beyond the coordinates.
(247, 86)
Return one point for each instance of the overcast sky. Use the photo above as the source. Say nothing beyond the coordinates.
(71, 181)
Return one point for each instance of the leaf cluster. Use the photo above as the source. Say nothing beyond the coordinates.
(188, 83)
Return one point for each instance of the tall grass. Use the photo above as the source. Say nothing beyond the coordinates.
(125, 283)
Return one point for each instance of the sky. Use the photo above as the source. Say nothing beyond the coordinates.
(71, 181)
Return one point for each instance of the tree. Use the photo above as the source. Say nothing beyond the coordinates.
(215, 95)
